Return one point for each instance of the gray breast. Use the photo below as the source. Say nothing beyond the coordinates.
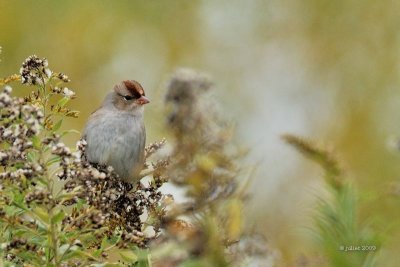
(117, 141)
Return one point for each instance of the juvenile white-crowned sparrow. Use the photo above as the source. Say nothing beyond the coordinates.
(115, 133)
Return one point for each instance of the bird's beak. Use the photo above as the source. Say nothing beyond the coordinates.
(142, 100)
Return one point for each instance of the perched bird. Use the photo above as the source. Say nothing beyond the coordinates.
(115, 133)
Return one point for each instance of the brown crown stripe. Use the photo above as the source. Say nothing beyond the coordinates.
(134, 88)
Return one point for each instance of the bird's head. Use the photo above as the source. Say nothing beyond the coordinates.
(129, 95)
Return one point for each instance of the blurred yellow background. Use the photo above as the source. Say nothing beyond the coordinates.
(326, 70)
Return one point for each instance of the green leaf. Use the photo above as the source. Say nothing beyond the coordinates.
(30, 257)
(18, 200)
(57, 218)
(70, 131)
(128, 256)
(144, 258)
(19, 165)
(84, 255)
(53, 160)
(112, 240)
(19, 232)
(57, 126)
(42, 181)
(66, 196)
(36, 142)
(104, 243)
(80, 203)
(97, 253)
(193, 263)
(63, 101)
(47, 252)
(31, 156)
(41, 213)
(70, 252)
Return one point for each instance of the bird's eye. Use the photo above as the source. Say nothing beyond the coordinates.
(128, 97)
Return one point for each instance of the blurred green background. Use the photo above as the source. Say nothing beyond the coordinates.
(326, 70)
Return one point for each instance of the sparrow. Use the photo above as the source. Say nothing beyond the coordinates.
(115, 132)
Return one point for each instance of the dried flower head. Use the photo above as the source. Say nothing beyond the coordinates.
(119, 204)
(63, 77)
(20, 121)
(35, 70)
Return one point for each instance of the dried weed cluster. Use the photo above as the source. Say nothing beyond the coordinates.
(56, 209)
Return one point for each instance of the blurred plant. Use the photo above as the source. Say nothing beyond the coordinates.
(208, 225)
(56, 209)
(345, 241)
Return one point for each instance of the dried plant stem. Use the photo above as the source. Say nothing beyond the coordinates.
(54, 242)
(53, 227)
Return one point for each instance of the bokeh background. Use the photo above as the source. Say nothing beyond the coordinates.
(326, 70)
